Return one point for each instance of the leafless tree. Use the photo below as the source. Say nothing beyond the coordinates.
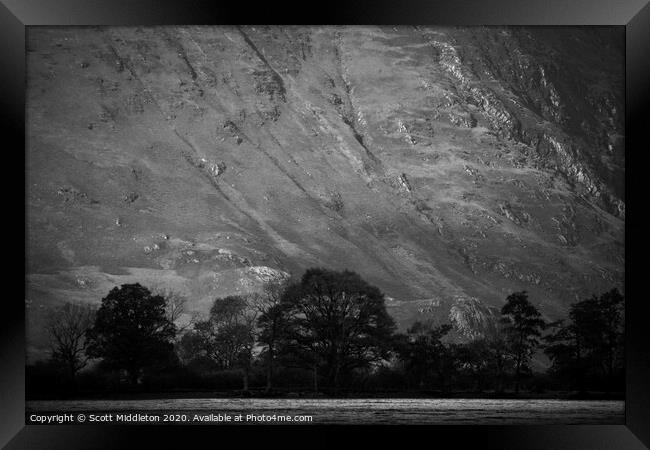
(270, 322)
(67, 327)
(228, 335)
(176, 308)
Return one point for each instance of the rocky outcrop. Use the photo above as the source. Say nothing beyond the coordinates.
(471, 318)
(568, 131)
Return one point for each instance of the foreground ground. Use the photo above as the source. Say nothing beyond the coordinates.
(354, 411)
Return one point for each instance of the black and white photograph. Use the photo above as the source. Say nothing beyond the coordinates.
(307, 225)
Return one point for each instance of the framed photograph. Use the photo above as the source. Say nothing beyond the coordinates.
(411, 218)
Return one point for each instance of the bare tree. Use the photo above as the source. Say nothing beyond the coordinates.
(227, 336)
(67, 328)
(270, 323)
(176, 308)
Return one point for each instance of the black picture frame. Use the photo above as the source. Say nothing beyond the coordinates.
(634, 15)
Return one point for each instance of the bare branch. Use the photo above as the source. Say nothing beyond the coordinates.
(67, 327)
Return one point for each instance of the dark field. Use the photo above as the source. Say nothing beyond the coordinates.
(369, 411)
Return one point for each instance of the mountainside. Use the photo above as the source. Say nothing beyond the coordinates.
(448, 166)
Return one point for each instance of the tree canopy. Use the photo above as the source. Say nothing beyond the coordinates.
(332, 329)
(337, 321)
(592, 340)
(227, 337)
(131, 330)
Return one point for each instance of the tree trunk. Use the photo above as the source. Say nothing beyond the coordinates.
(72, 374)
(333, 372)
(610, 369)
(517, 374)
(520, 358)
(441, 380)
(499, 377)
(133, 377)
(71, 370)
(245, 379)
(580, 378)
(337, 370)
(269, 370)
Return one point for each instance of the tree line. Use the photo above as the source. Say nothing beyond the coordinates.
(327, 332)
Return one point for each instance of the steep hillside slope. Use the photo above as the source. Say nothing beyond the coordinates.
(444, 165)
